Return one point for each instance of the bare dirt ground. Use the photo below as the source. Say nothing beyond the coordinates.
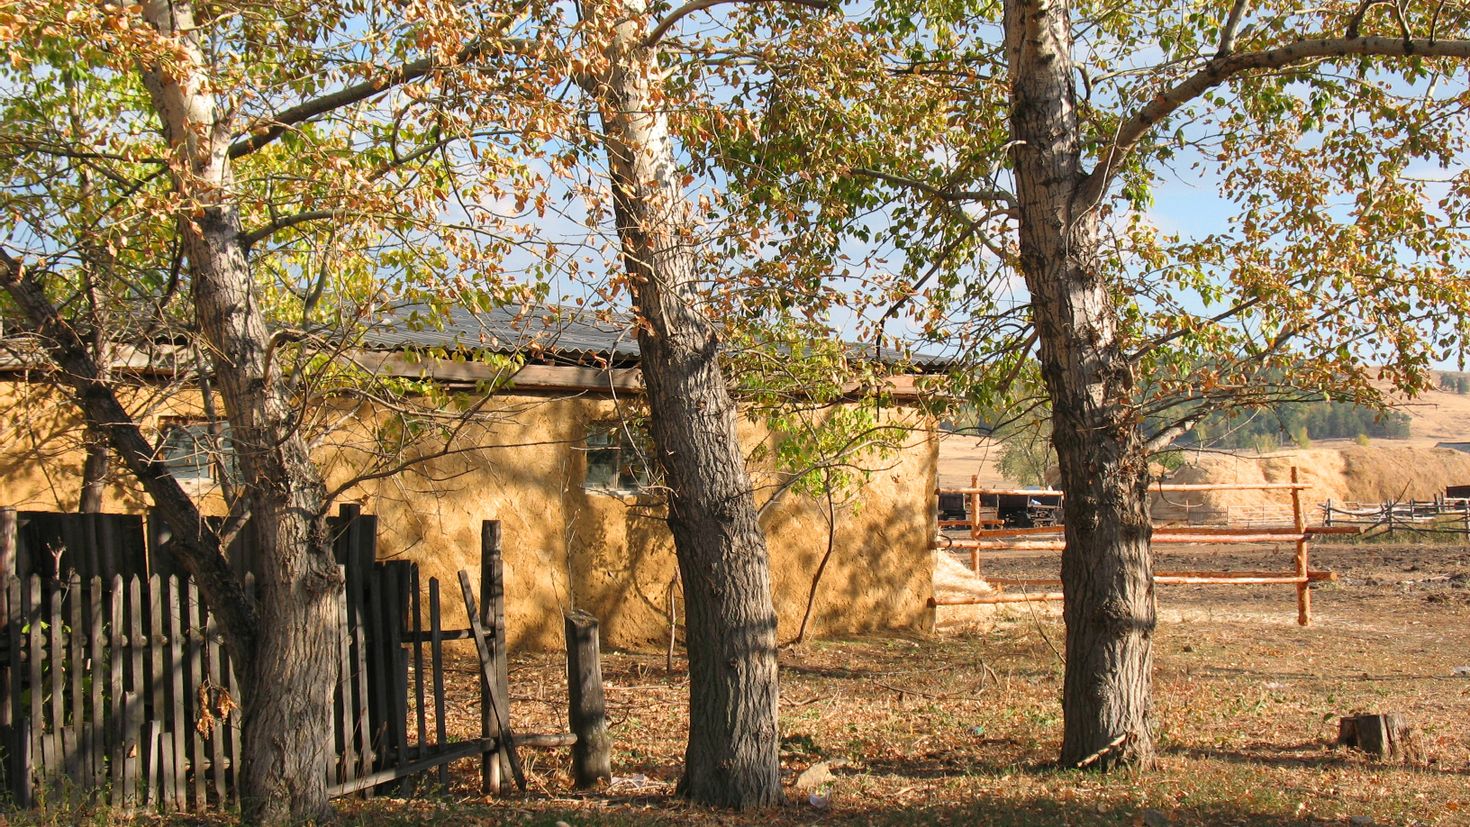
(963, 729)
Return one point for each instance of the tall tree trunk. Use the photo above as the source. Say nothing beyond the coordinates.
(94, 470)
(286, 727)
(1106, 568)
(732, 759)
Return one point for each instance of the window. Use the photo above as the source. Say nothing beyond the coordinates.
(188, 450)
(617, 457)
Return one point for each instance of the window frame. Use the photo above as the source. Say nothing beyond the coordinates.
(203, 457)
(629, 472)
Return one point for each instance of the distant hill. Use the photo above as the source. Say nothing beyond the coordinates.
(1441, 415)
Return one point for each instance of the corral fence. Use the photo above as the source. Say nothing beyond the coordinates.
(1448, 516)
(992, 538)
(115, 685)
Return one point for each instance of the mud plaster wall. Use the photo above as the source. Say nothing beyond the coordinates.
(563, 545)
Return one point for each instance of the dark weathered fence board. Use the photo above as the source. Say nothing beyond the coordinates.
(116, 714)
(436, 656)
(116, 677)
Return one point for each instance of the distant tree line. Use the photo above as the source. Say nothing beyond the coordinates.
(1298, 423)
(1455, 382)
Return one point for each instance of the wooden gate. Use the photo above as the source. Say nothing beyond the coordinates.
(115, 686)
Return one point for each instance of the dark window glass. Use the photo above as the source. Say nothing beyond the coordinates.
(616, 459)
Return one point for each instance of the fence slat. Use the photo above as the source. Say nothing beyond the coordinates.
(74, 716)
(133, 777)
(436, 655)
(342, 710)
(214, 669)
(395, 594)
(157, 679)
(177, 718)
(193, 626)
(53, 760)
(378, 706)
(9, 669)
(22, 601)
(97, 659)
(117, 717)
(421, 719)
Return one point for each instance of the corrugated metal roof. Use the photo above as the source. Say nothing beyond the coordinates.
(558, 335)
(555, 335)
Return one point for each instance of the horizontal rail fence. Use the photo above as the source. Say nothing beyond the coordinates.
(1449, 516)
(118, 688)
(1001, 540)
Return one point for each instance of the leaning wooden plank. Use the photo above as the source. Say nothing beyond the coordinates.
(442, 754)
(487, 686)
(439, 757)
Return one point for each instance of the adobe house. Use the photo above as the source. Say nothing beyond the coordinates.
(550, 457)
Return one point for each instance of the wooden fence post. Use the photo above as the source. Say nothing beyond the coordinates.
(492, 618)
(586, 705)
(1303, 588)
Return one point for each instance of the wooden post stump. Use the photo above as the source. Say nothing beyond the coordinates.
(1384, 735)
(586, 706)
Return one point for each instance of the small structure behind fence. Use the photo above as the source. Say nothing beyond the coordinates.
(1446, 516)
(115, 683)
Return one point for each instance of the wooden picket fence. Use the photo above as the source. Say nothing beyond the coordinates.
(118, 688)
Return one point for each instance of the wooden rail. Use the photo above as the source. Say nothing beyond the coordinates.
(1011, 540)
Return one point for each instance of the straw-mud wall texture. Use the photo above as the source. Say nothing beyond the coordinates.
(525, 464)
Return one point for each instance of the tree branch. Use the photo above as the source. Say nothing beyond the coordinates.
(1232, 24)
(1241, 307)
(700, 5)
(270, 129)
(194, 546)
(1220, 70)
(993, 196)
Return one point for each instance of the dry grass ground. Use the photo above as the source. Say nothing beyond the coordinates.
(961, 729)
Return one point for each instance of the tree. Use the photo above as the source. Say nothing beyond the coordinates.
(732, 757)
(238, 182)
(1027, 144)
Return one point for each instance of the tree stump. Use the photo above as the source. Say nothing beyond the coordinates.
(1385, 735)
